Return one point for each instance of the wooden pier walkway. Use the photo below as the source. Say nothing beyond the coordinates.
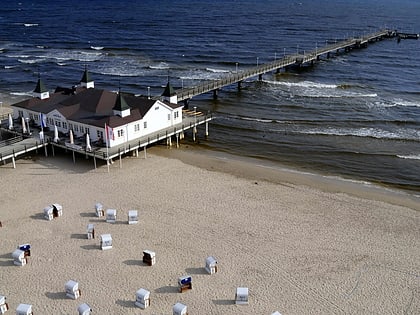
(187, 93)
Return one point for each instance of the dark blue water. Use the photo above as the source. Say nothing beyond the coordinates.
(356, 115)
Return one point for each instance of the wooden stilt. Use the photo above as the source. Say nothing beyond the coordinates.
(120, 161)
(207, 129)
(94, 161)
(14, 162)
(145, 155)
(74, 158)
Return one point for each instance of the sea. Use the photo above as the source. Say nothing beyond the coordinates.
(354, 116)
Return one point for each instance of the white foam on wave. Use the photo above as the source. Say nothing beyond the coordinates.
(159, 66)
(397, 103)
(30, 61)
(22, 93)
(409, 157)
(359, 132)
(217, 70)
(96, 47)
(9, 67)
(262, 120)
(30, 24)
(320, 94)
(304, 84)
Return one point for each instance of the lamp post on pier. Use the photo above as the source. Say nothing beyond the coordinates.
(148, 92)
(257, 60)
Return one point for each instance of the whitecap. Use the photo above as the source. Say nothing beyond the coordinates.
(159, 66)
(30, 60)
(96, 47)
(304, 84)
(409, 157)
(217, 70)
(21, 93)
(30, 24)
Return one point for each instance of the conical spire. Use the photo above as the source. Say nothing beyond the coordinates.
(40, 89)
(120, 103)
(121, 107)
(169, 90)
(169, 93)
(86, 80)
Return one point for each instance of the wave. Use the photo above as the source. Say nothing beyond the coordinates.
(261, 120)
(159, 66)
(22, 93)
(304, 84)
(9, 67)
(30, 24)
(217, 70)
(338, 95)
(397, 103)
(96, 47)
(362, 132)
(409, 157)
(30, 61)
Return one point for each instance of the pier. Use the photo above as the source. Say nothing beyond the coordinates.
(22, 144)
(185, 94)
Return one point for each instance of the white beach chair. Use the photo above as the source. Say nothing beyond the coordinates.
(142, 298)
(241, 296)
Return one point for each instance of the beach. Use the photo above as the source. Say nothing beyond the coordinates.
(299, 243)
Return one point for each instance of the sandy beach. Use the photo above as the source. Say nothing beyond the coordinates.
(301, 244)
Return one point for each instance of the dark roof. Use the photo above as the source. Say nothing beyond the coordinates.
(40, 87)
(92, 106)
(169, 90)
(120, 104)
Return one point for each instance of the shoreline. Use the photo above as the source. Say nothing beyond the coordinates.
(254, 169)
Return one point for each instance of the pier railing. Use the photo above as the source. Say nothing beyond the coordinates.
(288, 60)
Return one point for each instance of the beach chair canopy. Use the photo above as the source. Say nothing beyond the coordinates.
(24, 309)
(142, 294)
(18, 254)
(71, 286)
(179, 309)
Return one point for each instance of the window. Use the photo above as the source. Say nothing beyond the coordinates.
(76, 128)
(176, 114)
(120, 133)
(70, 126)
(136, 127)
(99, 134)
(82, 129)
(145, 125)
(64, 125)
(169, 116)
(87, 130)
(157, 107)
(58, 123)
